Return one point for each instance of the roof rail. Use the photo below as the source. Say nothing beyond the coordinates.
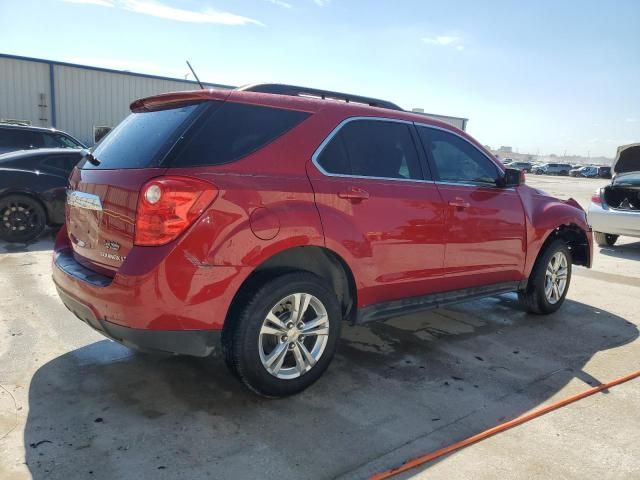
(292, 90)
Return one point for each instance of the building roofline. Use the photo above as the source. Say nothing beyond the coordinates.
(110, 70)
(427, 114)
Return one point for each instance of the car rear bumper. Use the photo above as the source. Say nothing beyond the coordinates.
(198, 343)
(616, 222)
(174, 306)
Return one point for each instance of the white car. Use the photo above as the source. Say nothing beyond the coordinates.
(615, 209)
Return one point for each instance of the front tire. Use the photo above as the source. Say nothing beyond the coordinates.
(549, 281)
(605, 239)
(22, 218)
(285, 335)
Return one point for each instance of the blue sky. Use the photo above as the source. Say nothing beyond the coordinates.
(544, 76)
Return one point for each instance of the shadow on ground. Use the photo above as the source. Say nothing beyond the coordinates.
(104, 412)
(626, 251)
(43, 242)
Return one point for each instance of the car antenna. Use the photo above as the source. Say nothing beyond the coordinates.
(194, 74)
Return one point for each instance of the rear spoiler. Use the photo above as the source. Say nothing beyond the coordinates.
(177, 99)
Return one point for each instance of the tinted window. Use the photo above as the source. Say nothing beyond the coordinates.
(372, 148)
(61, 162)
(232, 131)
(456, 160)
(19, 139)
(333, 158)
(56, 140)
(142, 139)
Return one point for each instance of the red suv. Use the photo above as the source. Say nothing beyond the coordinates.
(257, 219)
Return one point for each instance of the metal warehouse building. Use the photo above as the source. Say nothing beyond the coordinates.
(82, 100)
(75, 98)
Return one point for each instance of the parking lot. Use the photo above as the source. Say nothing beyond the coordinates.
(74, 405)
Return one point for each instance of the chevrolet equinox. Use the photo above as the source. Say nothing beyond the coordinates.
(256, 220)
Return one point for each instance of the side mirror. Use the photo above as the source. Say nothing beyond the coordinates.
(512, 177)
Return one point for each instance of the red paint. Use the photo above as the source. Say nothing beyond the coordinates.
(398, 238)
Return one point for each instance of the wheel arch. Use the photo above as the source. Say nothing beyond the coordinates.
(576, 240)
(318, 260)
(574, 237)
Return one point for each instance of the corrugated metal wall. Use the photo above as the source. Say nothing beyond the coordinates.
(87, 98)
(83, 97)
(24, 86)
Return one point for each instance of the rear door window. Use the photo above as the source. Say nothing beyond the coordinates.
(233, 131)
(373, 148)
(333, 159)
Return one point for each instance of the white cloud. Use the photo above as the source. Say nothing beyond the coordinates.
(322, 3)
(280, 3)
(101, 3)
(160, 10)
(445, 41)
(209, 15)
(631, 120)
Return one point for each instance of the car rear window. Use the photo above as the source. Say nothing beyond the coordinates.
(143, 139)
(233, 131)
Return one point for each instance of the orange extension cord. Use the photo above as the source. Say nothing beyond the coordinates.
(421, 460)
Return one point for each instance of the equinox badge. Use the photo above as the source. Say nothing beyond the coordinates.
(111, 245)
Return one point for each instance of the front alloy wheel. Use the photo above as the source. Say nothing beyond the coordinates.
(555, 281)
(549, 281)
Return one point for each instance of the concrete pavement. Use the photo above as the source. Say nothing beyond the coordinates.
(74, 405)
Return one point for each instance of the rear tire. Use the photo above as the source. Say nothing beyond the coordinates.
(275, 351)
(549, 280)
(605, 239)
(22, 218)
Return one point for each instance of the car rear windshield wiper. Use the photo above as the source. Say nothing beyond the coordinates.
(92, 159)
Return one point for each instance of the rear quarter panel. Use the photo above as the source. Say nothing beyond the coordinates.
(265, 202)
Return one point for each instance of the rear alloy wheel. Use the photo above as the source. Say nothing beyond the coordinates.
(549, 281)
(293, 336)
(22, 218)
(605, 239)
(285, 336)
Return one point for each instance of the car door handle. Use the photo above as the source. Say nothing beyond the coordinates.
(354, 194)
(459, 203)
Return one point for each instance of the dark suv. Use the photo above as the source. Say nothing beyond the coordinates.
(256, 220)
(25, 137)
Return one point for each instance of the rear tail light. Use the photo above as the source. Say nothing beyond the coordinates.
(523, 177)
(596, 198)
(167, 206)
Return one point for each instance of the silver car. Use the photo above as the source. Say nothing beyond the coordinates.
(615, 209)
